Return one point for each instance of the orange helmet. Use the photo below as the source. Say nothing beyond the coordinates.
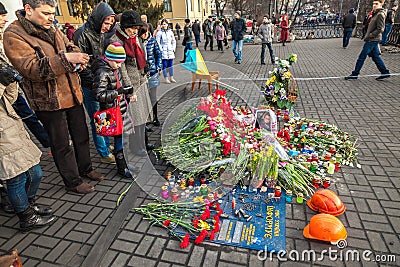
(326, 201)
(325, 227)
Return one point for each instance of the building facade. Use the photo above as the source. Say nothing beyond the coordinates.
(176, 11)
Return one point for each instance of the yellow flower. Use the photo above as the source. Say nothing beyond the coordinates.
(274, 99)
(203, 225)
(269, 151)
(198, 199)
(286, 75)
(252, 151)
(273, 79)
(303, 139)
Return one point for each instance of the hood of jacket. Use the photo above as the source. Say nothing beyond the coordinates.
(99, 13)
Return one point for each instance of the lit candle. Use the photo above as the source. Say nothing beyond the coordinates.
(278, 191)
(300, 198)
(289, 196)
(317, 182)
(174, 194)
(164, 192)
(327, 182)
(204, 189)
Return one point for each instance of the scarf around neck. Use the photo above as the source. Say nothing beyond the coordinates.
(133, 50)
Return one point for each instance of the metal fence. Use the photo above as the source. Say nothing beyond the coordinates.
(334, 31)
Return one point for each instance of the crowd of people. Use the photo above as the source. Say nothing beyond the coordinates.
(113, 61)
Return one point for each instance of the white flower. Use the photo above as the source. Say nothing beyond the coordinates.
(285, 63)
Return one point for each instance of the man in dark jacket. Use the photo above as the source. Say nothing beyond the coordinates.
(46, 59)
(196, 32)
(371, 45)
(90, 38)
(349, 23)
(187, 39)
(389, 21)
(238, 29)
(208, 32)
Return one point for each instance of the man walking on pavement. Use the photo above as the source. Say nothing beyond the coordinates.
(349, 23)
(266, 33)
(238, 29)
(208, 32)
(389, 21)
(196, 32)
(47, 61)
(371, 45)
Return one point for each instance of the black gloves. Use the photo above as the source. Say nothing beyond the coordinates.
(6, 76)
(125, 90)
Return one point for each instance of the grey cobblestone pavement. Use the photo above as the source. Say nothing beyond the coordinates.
(92, 231)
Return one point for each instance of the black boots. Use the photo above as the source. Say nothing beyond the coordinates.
(28, 219)
(122, 168)
(5, 203)
(40, 210)
(155, 116)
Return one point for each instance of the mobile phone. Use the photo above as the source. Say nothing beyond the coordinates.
(77, 67)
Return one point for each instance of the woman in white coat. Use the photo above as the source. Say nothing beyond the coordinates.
(166, 41)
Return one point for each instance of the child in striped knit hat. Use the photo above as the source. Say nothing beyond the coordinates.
(108, 86)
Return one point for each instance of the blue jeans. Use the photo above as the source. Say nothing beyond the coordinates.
(271, 52)
(346, 36)
(31, 121)
(239, 46)
(197, 38)
(385, 34)
(91, 105)
(24, 187)
(118, 143)
(370, 49)
(168, 64)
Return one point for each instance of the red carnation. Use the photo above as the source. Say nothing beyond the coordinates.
(218, 206)
(206, 214)
(196, 223)
(185, 242)
(212, 236)
(200, 237)
(166, 223)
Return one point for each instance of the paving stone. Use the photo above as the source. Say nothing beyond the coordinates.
(77, 236)
(140, 261)
(210, 258)
(124, 246)
(374, 226)
(57, 251)
(130, 236)
(196, 256)
(108, 259)
(69, 253)
(45, 241)
(144, 245)
(234, 256)
(156, 248)
(174, 256)
(376, 241)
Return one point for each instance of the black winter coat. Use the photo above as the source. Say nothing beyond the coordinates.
(105, 85)
(196, 28)
(90, 40)
(238, 29)
(188, 37)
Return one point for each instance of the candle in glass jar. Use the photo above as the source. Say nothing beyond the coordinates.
(182, 184)
(327, 182)
(174, 194)
(191, 181)
(300, 198)
(331, 168)
(314, 156)
(314, 166)
(332, 149)
(164, 192)
(327, 156)
(278, 191)
(289, 196)
(203, 179)
(317, 182)
(204, 189)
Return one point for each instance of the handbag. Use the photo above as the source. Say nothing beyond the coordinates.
(154, 80)
(109, 122)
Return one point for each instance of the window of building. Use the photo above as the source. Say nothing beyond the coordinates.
(189, 4)
(199, 5)
(71, 9)
(167, 5)
(58, 12)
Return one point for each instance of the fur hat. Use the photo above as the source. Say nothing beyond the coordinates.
(115, 52)
(130, 18)
(2, 9)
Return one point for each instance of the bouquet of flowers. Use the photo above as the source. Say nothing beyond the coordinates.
(281, 90)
